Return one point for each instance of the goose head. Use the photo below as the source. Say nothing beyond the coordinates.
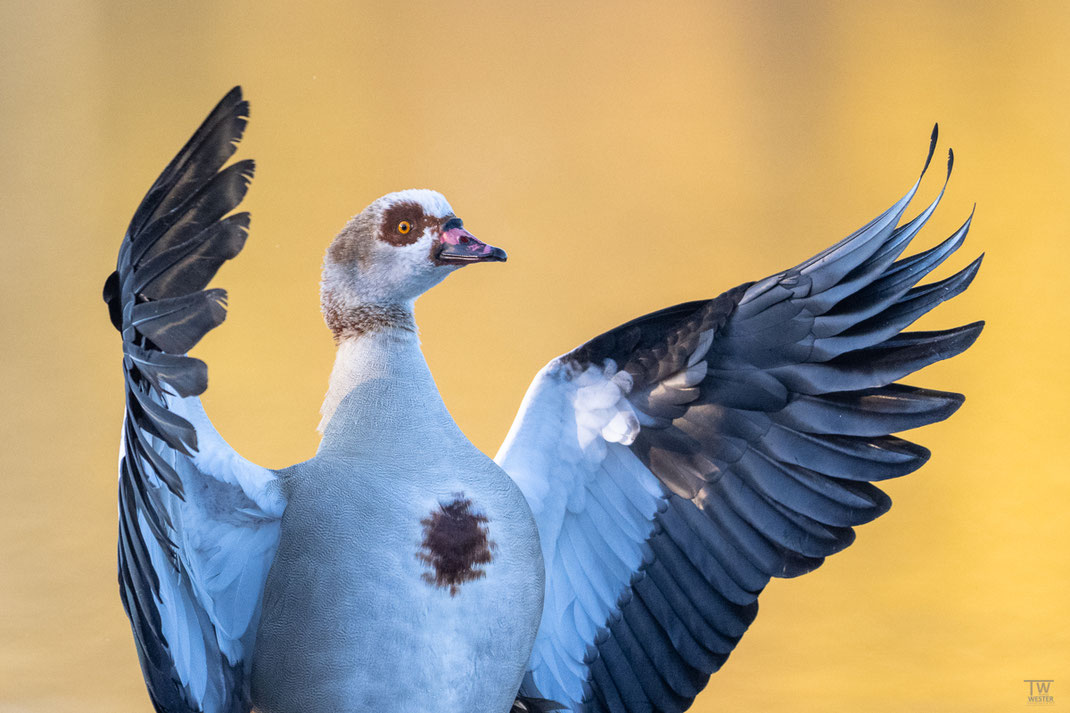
(393, 251)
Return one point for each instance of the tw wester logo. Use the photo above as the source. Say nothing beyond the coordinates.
(1040, 691)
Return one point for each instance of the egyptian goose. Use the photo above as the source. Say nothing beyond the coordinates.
(611, 555)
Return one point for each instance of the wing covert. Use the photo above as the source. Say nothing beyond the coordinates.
(678, 462)
(198, 524)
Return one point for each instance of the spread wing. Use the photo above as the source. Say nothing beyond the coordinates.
(198, 524)
(677, 462)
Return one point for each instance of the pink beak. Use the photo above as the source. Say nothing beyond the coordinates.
(459, 247)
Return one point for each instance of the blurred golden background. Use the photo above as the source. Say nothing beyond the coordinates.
(628, 156)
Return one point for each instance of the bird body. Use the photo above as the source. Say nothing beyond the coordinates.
(607, 560)
(348, 602)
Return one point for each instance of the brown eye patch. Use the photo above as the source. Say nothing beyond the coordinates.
(404, 224)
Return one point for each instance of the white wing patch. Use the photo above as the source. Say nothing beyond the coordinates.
(594, 503)
(603, 414)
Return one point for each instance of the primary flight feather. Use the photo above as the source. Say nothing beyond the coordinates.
(608, 559)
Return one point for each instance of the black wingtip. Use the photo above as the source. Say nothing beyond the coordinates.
(952, 402)
(970, 333)
(966, 275)
(969, 218)
(111, 298)
(234, 97)
(972, 269)
(232, 101)
(234, 104)
(947, 177)
(932, 147)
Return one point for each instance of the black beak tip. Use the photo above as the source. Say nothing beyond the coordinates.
(497, 255)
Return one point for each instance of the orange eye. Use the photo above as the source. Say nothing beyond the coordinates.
(404, 227)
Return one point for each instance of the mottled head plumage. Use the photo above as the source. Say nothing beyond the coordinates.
(393, 251)
(381, 261)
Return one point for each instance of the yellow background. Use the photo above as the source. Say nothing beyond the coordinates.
(628, 156)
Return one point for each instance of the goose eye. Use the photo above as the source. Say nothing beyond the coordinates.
(404, 227)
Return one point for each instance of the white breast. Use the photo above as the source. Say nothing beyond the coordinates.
(409, 575)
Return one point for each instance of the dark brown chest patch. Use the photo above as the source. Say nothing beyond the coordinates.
(456, 544)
